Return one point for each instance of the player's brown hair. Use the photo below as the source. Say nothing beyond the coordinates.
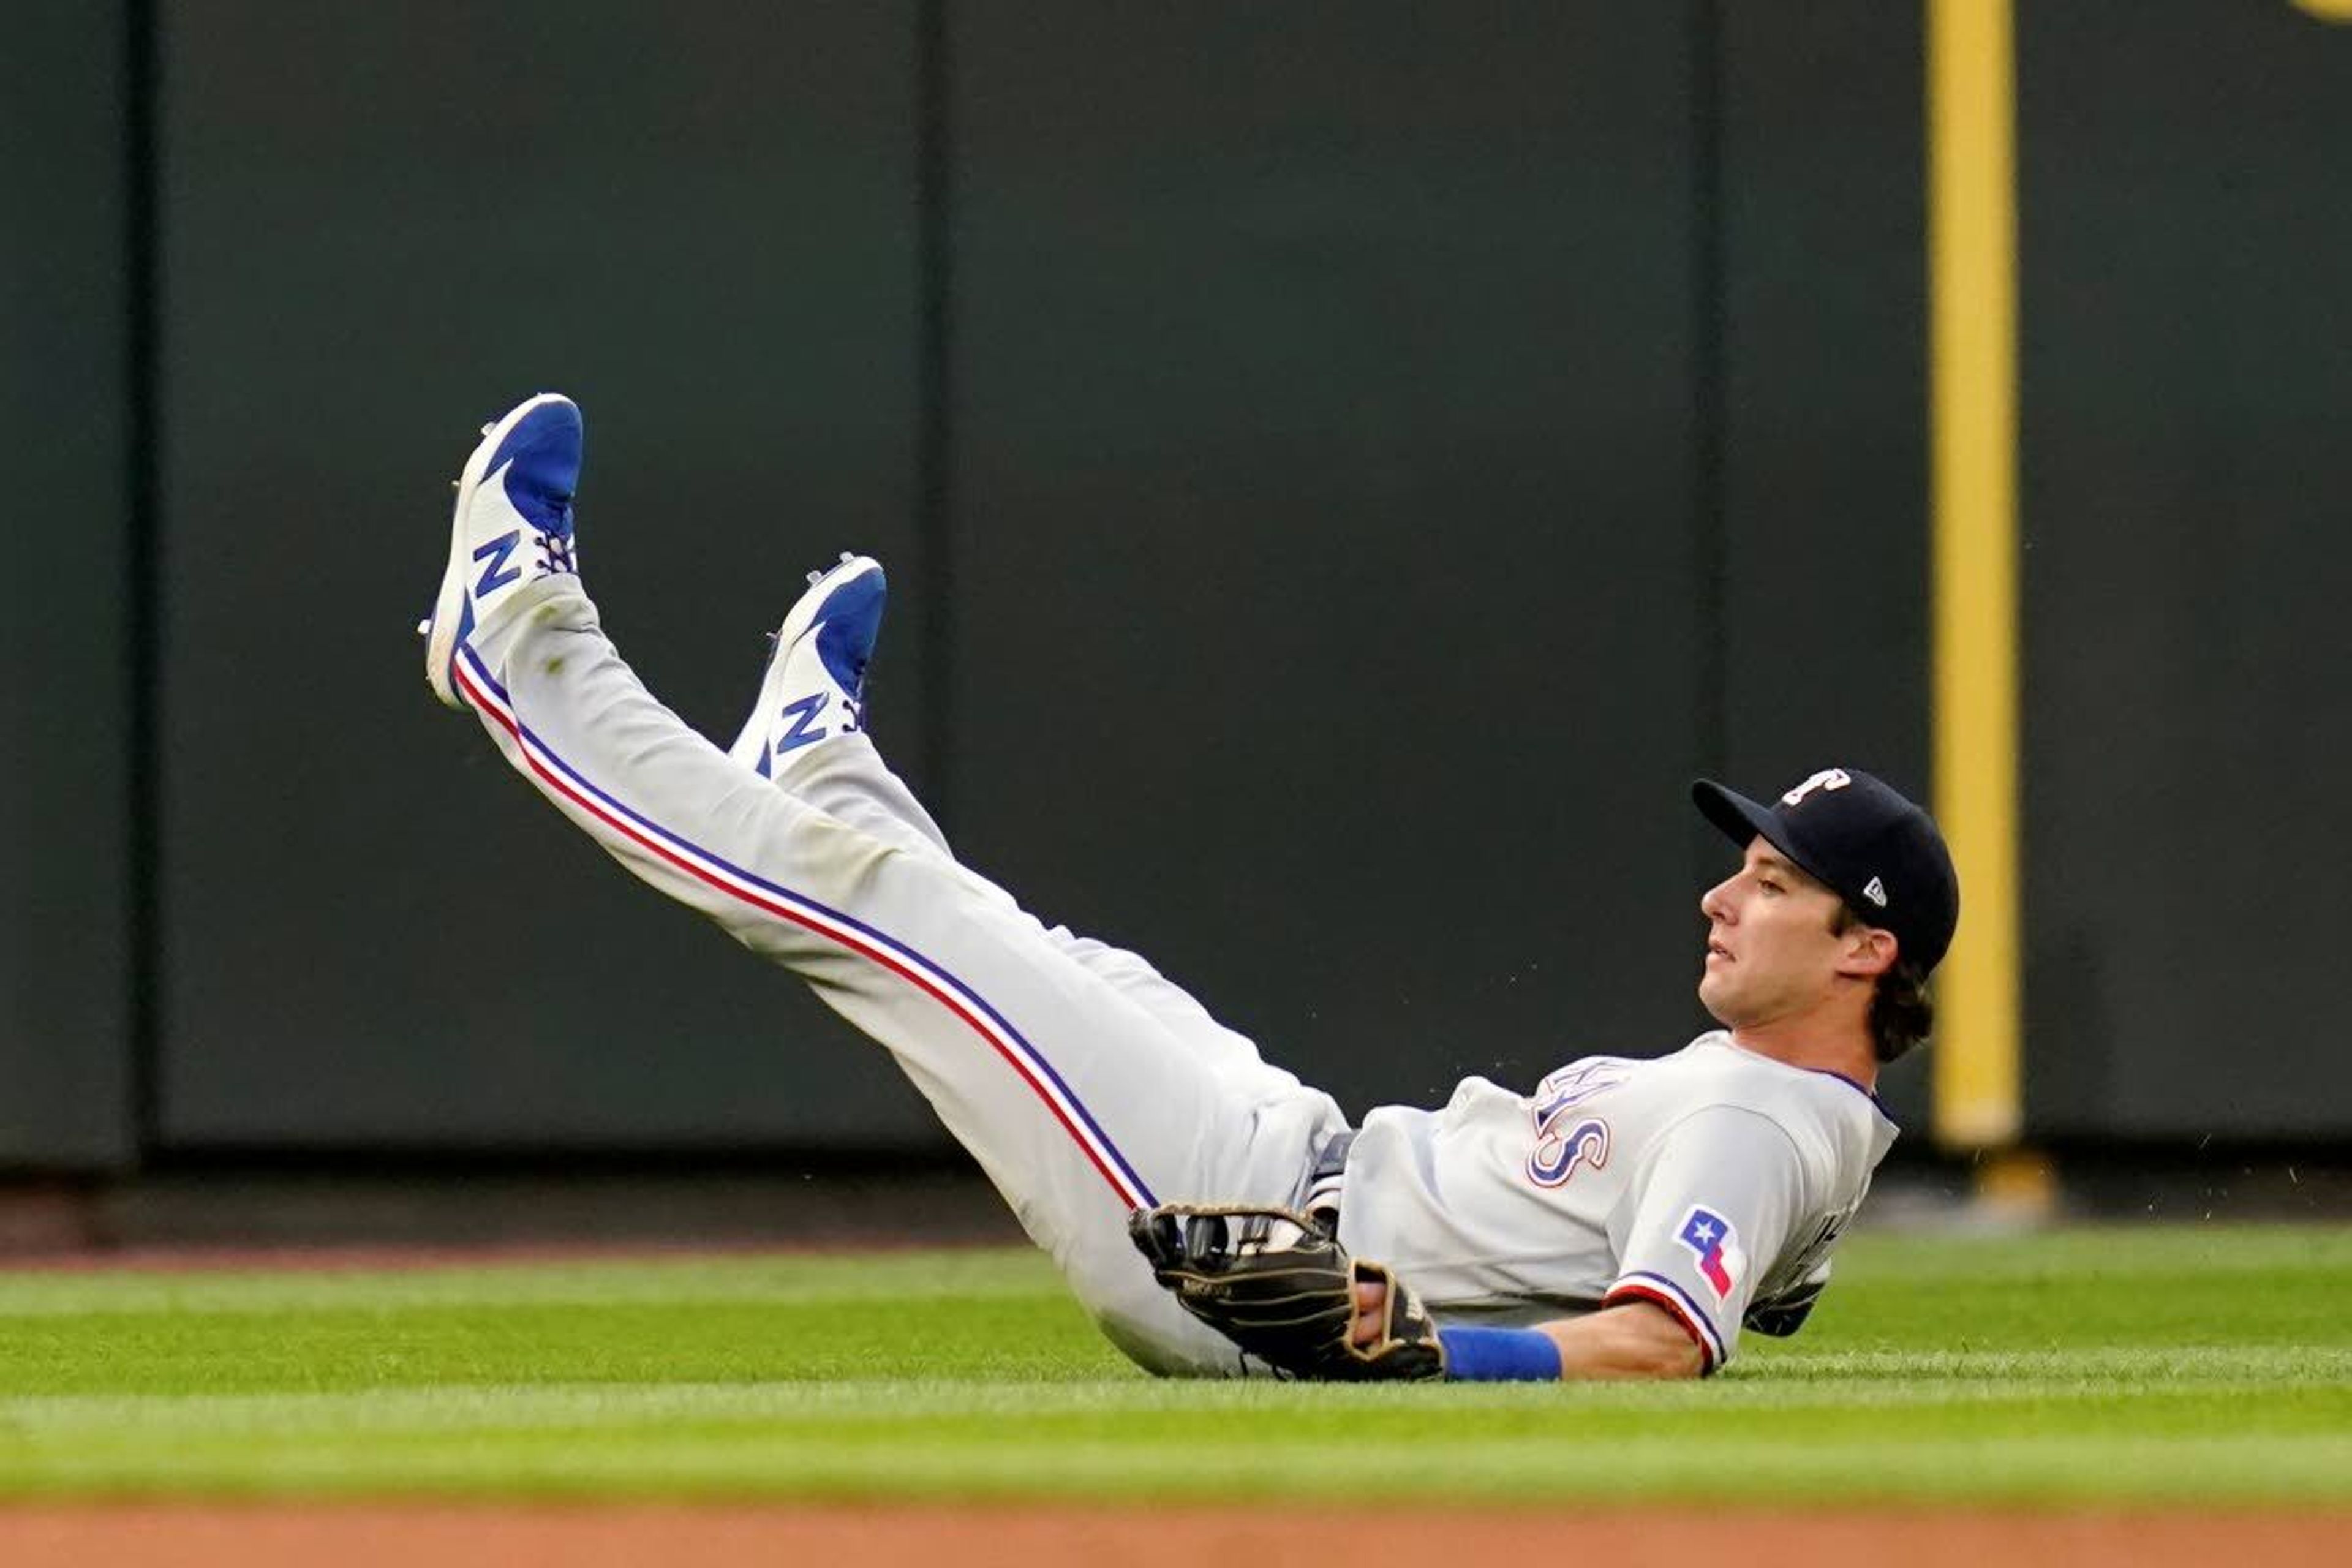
(1902, 1008)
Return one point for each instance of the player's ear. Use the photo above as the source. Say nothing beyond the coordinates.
(1870, 951)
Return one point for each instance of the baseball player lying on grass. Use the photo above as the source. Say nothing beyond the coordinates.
(1627, 1218)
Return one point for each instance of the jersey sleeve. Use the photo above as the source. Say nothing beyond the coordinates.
(1716, 1198)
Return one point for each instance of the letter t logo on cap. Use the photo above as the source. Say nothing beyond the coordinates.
(1827, 778)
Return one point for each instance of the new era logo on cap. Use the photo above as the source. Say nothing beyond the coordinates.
(1859, 835)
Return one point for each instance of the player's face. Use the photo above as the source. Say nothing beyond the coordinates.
(1771, 950)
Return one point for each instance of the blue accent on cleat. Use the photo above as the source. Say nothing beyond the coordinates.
(524, 471)
(545, 448)
(817, 655)
(849, 622)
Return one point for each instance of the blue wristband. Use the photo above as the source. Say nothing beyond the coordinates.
(1499, 1355)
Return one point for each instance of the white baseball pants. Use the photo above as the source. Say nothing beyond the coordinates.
(1084, 1083)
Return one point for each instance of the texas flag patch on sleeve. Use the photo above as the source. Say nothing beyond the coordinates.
(1720, 1261)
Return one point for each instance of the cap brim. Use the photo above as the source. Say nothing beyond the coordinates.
(1741, 820)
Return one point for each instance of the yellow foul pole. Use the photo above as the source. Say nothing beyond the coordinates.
(1972, 240)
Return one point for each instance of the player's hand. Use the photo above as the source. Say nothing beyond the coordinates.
(1281, 1288)
(1371, 1301)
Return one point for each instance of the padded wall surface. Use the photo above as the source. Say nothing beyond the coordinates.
(1824, 595)
(1385, 459)
(381, 226)
(66, 876)
(2186, 368)
(1324, 519)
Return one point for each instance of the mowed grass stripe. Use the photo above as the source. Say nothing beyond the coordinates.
(2117, 1255)
(817, 1280)
(2122, 1261)
(1082, 1414)
(2205, 1469)
(2322, 1378)
(2179, 1366)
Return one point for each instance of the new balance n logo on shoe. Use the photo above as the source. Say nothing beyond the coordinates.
(804, 714)
(497, 574)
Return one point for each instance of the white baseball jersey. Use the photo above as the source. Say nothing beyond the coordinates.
(1712, 1183)
(1085, 1085)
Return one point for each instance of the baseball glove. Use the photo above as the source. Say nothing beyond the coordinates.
(1277, 1285)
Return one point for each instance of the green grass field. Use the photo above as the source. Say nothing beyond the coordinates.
(2206, 1366)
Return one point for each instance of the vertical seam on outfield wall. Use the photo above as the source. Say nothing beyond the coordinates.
(143, 586)
(1708, 328)
(934, 436)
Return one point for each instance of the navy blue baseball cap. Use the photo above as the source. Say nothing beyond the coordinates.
(1876, 850)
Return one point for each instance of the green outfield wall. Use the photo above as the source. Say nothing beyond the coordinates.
(1341, 474)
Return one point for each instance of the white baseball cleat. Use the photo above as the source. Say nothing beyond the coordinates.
(815, 683)
(512, 525)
